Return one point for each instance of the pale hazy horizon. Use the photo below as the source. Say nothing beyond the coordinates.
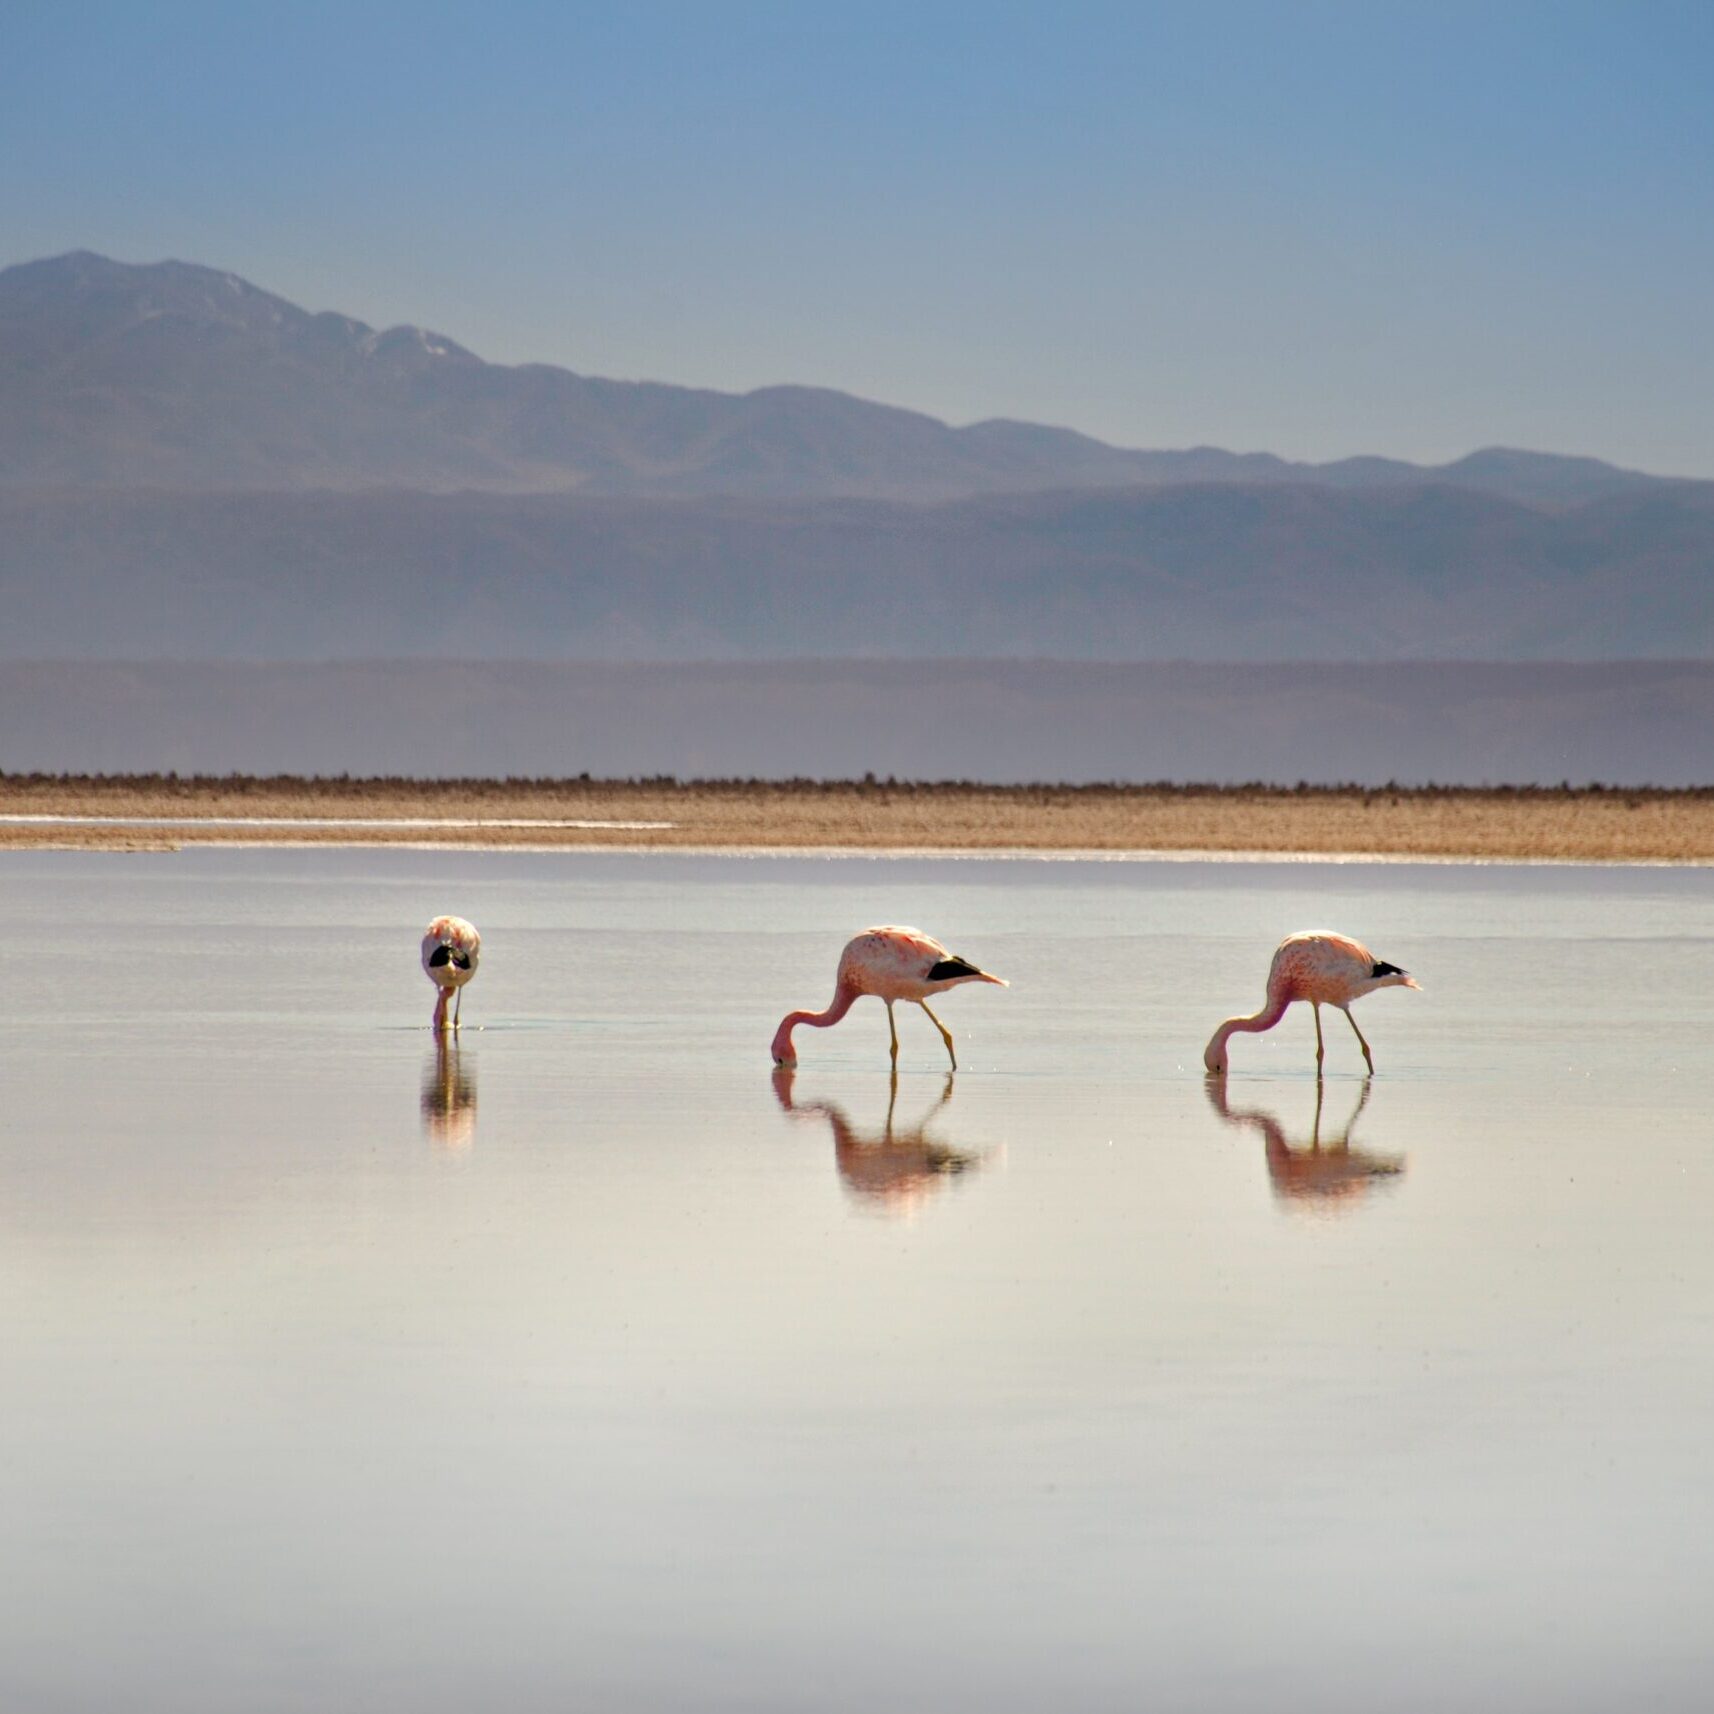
(1471, 723)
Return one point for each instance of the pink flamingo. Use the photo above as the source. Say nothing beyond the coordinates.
(893, 964)
(1323, 968)
(451, 949)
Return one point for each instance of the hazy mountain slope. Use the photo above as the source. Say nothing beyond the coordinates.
(1205, 572)
(178, 376)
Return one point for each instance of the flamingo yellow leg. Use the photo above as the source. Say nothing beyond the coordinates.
(439, 1023)
(893, 1030)
(1369, 1057)
(1320, 1046)
(945, 1034)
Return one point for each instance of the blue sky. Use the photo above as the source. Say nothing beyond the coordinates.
(1317, 229)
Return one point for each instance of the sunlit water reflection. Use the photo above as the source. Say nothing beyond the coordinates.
(583, 1362)
(893, 1168)
(1316, 1173)
(449, 1093)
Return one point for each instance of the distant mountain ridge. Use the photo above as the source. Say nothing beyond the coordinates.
(175, 376)
(193, 468)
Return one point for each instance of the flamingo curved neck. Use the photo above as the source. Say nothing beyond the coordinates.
(843, 1000)
(1214, 1055)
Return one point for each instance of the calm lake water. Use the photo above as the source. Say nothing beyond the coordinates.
(591, 1366)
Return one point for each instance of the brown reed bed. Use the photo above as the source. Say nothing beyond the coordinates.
(1581, 823)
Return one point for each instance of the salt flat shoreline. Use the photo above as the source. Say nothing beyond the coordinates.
(951, 819)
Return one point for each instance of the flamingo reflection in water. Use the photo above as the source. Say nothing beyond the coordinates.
(893, 1170)
(449, 1096)
(1327, 1177)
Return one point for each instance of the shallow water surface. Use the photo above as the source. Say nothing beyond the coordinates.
(586, 1363)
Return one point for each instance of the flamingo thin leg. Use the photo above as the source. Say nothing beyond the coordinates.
(439, 1023)
(893, 1030)
(945, 1034)
(1320, 1046)
(1369, 1057)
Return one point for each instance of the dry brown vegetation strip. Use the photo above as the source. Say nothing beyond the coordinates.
(1593, 824)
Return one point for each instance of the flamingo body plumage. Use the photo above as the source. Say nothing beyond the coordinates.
(451, 951)
(1324, 968)
(893, 964)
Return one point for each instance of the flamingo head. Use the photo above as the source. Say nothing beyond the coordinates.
(1214, 1056)
(1384, 975)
